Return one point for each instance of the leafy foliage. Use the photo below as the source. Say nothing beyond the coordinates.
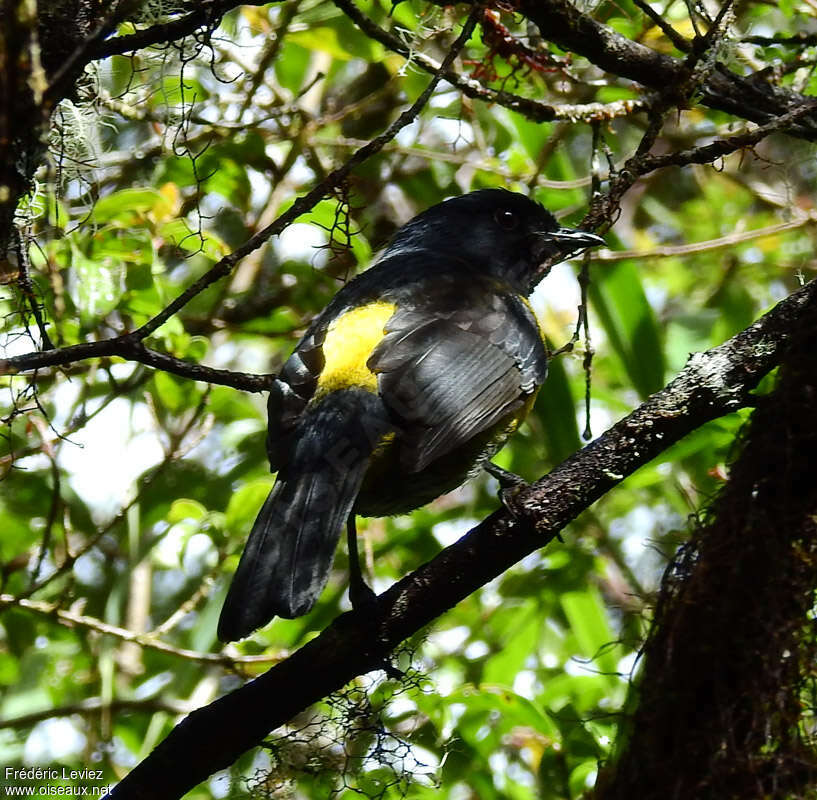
(128, 492)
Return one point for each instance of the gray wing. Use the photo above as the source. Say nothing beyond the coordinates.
(448, 378)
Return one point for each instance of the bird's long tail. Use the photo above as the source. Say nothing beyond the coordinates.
(288, 556)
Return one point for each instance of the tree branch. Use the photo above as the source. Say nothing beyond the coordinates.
(146, 640)
(207, 14)
(130, 345)
(534, 110)
(131, 348)
(561, 23)
(680, 41)
(643, 162)
(728, 662)
(712, 384)
(92, 705)
(800, 39)
(66, 75)
(692, 248)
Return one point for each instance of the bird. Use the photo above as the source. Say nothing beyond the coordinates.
(402, 388)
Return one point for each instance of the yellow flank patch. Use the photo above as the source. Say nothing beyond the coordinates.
(349, 342)
(519, 417)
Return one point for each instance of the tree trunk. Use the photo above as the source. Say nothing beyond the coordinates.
(728, 662)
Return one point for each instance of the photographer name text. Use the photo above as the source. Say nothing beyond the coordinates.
(52, 774)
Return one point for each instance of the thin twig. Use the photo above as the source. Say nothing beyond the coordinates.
(643, 163)
(209, 12)
(202, 591)
(730, 240)
(70, 618)
(680, 42)
(173, 453)
(78, 421)
(56, 500)
(94, 704)
(800, 39)
(270, 53)
(532, 109)
(130, 345)
(27, 289)
(706, 154)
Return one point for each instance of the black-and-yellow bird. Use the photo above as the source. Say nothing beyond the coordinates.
(407, 383)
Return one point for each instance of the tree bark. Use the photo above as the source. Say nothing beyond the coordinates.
(712, 384)
(727, 665)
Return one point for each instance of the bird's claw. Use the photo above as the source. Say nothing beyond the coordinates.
(510, 485)
(362, 596)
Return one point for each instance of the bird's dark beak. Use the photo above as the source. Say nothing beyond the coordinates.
(571, 240)
(555, 246)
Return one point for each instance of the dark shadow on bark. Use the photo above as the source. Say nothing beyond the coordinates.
(726, 698)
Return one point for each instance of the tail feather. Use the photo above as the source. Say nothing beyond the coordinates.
(288, 556)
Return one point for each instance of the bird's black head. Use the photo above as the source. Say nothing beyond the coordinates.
(495, 231)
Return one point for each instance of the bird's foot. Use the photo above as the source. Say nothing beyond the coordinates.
(364, 602)
(510, 484)
(506, 478)
(361, 595)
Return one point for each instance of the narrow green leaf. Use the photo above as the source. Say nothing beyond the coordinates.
(629, 322)
(519, 644)
(122, 205)
(556, 410)
(588, 621)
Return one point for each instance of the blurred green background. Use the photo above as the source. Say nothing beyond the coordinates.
(127, 493)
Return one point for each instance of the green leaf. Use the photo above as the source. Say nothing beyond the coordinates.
(556, 410)
(292, 65)
(504, 708)
(245, 504)
(178, 233)
(629, 322)
(588, 621)
(169, 391)
(178, 90)
(186, 509)
(127, 204)
(518, 646)
(532, 135)
(97, 286)
(582, 778)
(339, 38)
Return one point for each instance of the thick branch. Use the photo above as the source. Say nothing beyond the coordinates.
(561, 23)
(534, 110)
(712, 384)
(564, 25)
(730, 655)
(62, 81)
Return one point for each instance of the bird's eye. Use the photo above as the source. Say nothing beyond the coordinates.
(506, 219)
